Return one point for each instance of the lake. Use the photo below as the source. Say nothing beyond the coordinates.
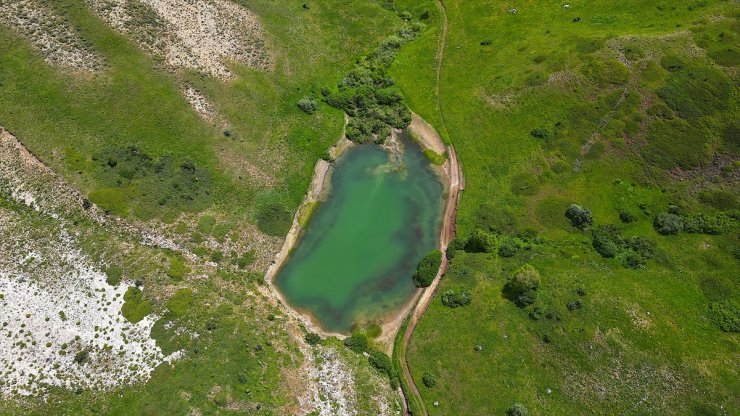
(354, 262)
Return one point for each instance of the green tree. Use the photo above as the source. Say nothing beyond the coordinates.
(427, 269)
(480, 242)
(357, 342)
(522, 288)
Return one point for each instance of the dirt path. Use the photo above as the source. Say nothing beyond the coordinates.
(440, 58)
(447, 233)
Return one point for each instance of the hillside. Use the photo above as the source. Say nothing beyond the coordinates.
(159, 157)
(629, 110)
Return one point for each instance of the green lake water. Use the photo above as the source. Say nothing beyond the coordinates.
(355, 260)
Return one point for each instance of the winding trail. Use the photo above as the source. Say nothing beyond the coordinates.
(447, 232)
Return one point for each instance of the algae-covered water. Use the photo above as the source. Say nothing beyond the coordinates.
(355, 260)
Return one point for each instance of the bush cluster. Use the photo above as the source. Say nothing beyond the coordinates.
(312, 338)
(164, 184)
(368, 94)
(357, 342)
(380, 362)
(427, 269)
(632, 252)
(480, 242)
(579, 216)
(667, 223)
(522, 288)
(454, 299)
(726, 315)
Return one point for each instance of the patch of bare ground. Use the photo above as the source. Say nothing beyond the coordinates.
(204, 35)
(200, 103)
(50, 33)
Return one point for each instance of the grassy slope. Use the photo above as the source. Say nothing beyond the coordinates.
(65, 118)
(59, 115)
(643, 326)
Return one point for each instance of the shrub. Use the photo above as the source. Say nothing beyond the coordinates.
(480, 242)
(517, 410)
(627, 217)
(579, 216)
(177, 269)
(455, 245)
(312, 338)
(608, 241)
(380, 362)
(273, 219)
(135, 308)
(357, 342)
(508, 248)
(522, 288)
(427, 269)
(667, 224)
(180, 302)
(82, 356)
(644, 246)
(541, 133)
(113, 274)
(308, 105)
(453, 299)
(429, 380)
(726, 315)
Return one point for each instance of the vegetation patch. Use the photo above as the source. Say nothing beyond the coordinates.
(427, 268)
(369, 96)
(180, 302)
(273, 219)
(160, 187)
(135, 307)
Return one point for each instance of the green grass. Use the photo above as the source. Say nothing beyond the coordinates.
(268, 130)
(587, 86)
(307, 212)
(76, 123)
(434, 157)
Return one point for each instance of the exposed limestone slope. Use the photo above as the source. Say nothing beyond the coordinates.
(57, 41)
(201, 35)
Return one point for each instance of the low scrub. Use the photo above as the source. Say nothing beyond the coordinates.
(135, 307)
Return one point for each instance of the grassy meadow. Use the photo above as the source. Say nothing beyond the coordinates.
(628, 109)
(130, 142)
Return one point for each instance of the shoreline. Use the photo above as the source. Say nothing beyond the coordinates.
(317, 192)
(449, 174)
